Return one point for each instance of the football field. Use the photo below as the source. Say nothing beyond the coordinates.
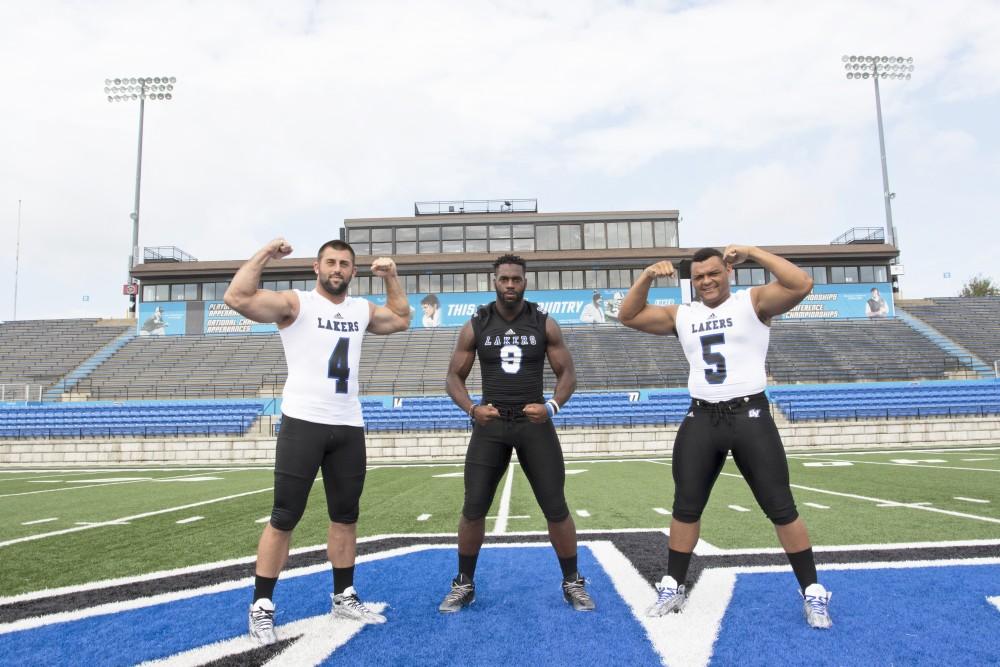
(158, 562)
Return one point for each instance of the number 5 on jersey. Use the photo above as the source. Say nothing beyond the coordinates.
(337, 366)
(717, 374)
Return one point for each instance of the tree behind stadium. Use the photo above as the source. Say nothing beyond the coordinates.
(979, 285)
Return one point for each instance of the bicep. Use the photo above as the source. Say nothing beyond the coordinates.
(558, 353)
(383, 321)
(464, 355)
(773, 299)
(659, 320)
(270, 307)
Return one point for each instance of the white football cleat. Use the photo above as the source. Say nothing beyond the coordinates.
(670, 597)
(261, 622)
(816, 606)
(348, 605)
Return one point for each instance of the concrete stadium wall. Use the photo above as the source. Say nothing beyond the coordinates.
(443, 446)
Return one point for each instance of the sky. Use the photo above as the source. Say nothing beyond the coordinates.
(289, 117)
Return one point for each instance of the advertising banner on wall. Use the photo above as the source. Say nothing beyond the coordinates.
(567, 307)
(453, 309)
(858, 300)
(221, 319)
(162, 318)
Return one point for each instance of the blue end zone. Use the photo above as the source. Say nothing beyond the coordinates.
(925, 615)
(519, 616)
(912, 616)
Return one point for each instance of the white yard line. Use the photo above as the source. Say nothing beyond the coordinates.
(856, 452)
(91, 486)
(937, 510)
(32, 523)
(190, 519)
(817, 506)
(901, 463)
(112, 522)
(501, 525)
(971, 500)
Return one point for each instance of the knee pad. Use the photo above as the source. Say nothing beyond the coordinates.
(686, 515)
(474, 511)
(284, 519)
(782, 516)
(343, 514)
(555, 511)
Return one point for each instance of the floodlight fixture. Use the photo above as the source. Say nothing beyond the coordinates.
(130, 89)
(882, 67)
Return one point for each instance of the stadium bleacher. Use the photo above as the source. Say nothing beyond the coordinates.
(606, 358)
(887, 399)
(135, 418)
(972, 322)
(40, 352)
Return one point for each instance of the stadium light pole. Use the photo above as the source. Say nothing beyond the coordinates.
(130, 89)
(862, 68)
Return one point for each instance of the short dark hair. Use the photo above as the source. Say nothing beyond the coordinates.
(430, 300)
(336, 244)
(705, 253)
(510, 259)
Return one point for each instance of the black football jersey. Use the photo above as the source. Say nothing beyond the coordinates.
(511, 354)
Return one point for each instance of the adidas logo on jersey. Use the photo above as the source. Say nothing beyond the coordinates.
(712, 316)
(510, 332)
(338, 316)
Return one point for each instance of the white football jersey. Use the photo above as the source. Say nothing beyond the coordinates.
(725, 347)
(323, 353)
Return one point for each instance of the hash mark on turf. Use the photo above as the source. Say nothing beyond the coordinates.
(894, 504)
(661, 510)
(738, 508)
(423, 517)
(32, 523)
(971, 500)
(190, 519)
(583, 513)
(817, 506)
(263, 519)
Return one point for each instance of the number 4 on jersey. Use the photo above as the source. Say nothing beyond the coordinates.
(337, 367)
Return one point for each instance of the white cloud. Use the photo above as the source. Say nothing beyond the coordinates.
(289, 117)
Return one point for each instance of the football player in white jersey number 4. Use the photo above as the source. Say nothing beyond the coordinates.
(321, 426)
(725, 337)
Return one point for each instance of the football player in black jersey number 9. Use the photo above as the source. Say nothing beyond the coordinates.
(512, 339)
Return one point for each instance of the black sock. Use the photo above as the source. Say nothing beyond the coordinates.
(263, 587)
(804, 567)
(343, 578)
(568, 567)
(467, 565)
(677, 564)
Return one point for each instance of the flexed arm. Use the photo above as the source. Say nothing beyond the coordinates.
(458, 370)
(395, 314)
(262, 305)
(637, 313)
(792, 284)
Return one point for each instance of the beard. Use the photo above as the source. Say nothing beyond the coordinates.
(516, 302)
(335, 291)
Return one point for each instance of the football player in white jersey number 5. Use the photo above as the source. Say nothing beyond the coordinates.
(321, 426)
(725, 337)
